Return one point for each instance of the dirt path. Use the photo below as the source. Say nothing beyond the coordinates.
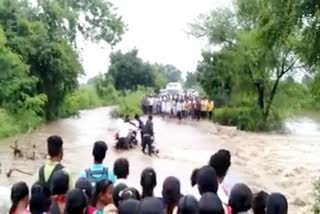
(265, 162)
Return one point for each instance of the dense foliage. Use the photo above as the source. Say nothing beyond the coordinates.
(258, 45)
(39, 60)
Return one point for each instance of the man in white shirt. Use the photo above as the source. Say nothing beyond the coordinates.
(125, 128)
(221, 161)
(121, 170)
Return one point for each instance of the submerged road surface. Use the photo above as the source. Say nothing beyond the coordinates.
(274, 163)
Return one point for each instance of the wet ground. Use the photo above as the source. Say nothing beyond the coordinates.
(274, 163)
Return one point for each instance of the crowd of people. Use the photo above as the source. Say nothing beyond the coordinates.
(178, 106)
(107, 190)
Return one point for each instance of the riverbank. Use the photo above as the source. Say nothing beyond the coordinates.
(274, 163)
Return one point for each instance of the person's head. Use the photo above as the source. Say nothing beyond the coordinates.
(171, 193)
(188, 205)
(259, 202)
(151, 205)
(55, 147)
(240, 198)
(128, 206)
(103, 193)
(130, 193)
(210, 204)
(76, 202)
(60, 183)
(194, 177)
(277, 204)
(207, 180)
(19, 196)
(221, 162)
(148, 182)
(116, 195)
(150, 117)
(84, 185)
(40, 201)
(99, 151)
(121, 168)
(137, 117)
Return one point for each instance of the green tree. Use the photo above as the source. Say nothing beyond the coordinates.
(172, 73)
(191, 80)
(44, 35)
(128, 71)
(260, 39)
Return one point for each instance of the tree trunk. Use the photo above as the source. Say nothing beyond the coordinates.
(260, 98)
(271, 98)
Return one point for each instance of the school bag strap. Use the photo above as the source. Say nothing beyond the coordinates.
(42, 179)
(97, 175)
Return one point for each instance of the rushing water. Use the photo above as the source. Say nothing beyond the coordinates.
(284, 163)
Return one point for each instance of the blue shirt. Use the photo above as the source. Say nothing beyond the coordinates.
(99, 167)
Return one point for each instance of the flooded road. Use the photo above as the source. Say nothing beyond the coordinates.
(274, 163)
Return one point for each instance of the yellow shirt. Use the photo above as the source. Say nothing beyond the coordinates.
(210, 106)
(48, 169)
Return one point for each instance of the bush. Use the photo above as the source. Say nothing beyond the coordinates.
(11, 124)
(246, 118)
(84, 98)
(129, 104)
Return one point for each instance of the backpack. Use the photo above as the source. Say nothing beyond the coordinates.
(42, 179)
(96, 175)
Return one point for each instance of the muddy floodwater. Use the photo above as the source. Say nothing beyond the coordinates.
(270, 162)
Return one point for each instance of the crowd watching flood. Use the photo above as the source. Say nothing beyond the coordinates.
(184, 106)
(102, 189)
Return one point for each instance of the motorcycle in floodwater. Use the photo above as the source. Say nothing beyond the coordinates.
(127, 143)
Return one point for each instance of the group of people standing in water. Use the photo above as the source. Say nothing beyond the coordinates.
(178, 106)
(107, 190)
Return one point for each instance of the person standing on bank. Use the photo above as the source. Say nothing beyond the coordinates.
(148, 136)
(55, 152)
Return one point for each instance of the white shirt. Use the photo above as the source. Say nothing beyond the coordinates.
(179, 106)
(121, 181)
(125, 129)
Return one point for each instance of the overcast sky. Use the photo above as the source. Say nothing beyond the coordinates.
(157, 28)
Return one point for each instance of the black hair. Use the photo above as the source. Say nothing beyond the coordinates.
(101, 187)
(259, 202)
(221, 163)
(129, 206)
(150, 117)
(116, 195)
(85, 185)
(121, 168)
(76, 202)
(171, 193)
(130, 193)
(194, 177)
(210, 204)
(19, 191)
(99, 151)
(136, 117)
(188, 205)
(148, 182)
(55, 144)
(240, 198)
(151, 205)
(40, 201)
(207, 180)
(60, 183)
(277, 204)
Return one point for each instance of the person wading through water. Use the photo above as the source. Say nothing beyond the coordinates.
(55, 152)
(148, 136)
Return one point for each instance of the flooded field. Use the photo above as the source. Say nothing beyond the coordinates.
(277, 163)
